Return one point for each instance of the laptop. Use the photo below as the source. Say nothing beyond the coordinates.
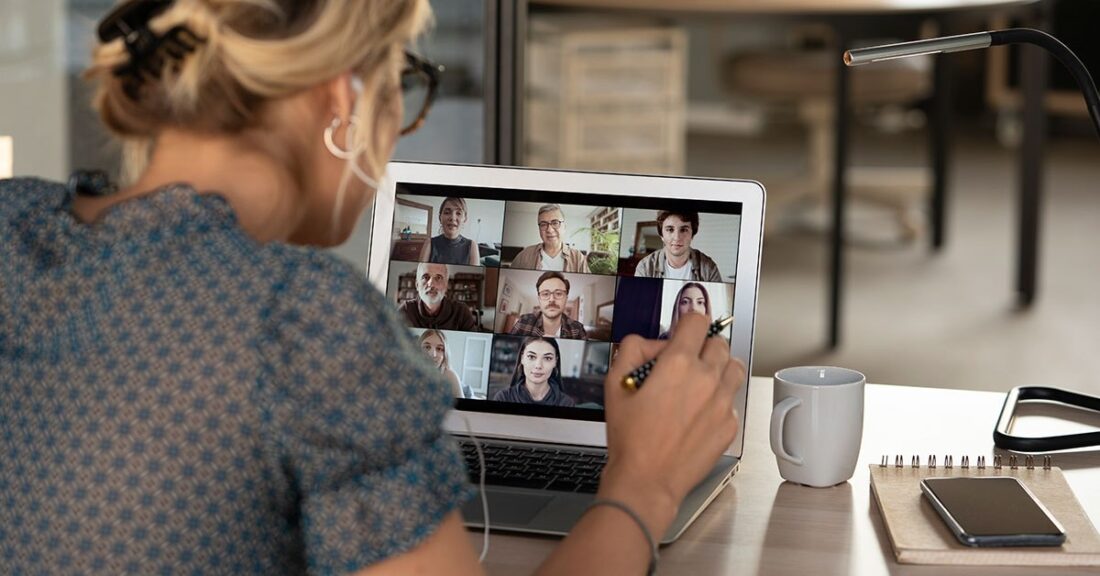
(525, 337)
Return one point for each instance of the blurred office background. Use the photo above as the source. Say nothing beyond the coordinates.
(679, 94)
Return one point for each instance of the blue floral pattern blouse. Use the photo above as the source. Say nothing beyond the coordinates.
(178, 399)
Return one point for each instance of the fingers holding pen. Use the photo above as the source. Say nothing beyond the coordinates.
(716, 354)
(690, 335)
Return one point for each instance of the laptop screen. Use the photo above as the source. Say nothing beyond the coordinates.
(521, 297)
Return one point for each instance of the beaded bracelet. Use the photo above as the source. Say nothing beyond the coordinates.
(637, 520)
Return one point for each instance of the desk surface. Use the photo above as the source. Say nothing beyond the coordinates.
(786, 6)
(762, 525)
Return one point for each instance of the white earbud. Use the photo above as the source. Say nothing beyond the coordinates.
(357, 85)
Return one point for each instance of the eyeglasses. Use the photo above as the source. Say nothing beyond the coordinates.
(419, 84)
(555, 294)
(556, 224)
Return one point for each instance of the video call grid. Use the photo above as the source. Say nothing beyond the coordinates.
(621, 281)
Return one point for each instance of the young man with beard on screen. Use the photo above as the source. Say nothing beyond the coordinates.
(551, 319)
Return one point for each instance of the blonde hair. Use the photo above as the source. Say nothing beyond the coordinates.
(251, 52)
(446, 365)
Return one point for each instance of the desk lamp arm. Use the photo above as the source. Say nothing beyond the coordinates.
(979, 40)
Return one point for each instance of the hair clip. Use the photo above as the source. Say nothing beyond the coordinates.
(130, 22)
(90, 183)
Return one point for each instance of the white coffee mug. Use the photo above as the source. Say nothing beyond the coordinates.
(817, 423)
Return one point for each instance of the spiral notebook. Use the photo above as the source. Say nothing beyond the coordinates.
(919, 536)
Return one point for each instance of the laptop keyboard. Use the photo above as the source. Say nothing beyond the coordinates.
(538, 467)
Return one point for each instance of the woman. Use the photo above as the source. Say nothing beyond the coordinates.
(692, 298)
(187, 387)
(434, 344)
(451, 247)
(537, 377)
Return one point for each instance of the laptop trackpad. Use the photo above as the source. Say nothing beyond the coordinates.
(507, 508)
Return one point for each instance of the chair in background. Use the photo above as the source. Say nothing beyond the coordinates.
(805, 80)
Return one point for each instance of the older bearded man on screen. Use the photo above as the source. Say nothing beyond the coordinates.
(433, 308)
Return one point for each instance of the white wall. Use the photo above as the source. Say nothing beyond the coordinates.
(33, 86)
(718, 238)
(572, 357)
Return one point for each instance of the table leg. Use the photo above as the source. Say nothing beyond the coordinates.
(940, 140)
(840, 161)
(1034, 70)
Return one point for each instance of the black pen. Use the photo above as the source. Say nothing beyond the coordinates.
(635, 379)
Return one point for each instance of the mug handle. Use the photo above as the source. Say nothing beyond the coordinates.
(779, 418)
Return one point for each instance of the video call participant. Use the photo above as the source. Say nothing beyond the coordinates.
(678, 260)
(692, 297)
(551, 319)
(451, 247)
(551, 253)
(537, 377)
(433, 308)
(434, 344)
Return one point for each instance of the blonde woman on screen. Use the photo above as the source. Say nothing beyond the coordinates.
(434, 344)
(184, 327)
(450, 246)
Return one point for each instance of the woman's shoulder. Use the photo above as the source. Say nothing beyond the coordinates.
(17, 194)
(303, 272)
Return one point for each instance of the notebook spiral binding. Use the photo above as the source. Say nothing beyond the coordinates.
(1013, 462)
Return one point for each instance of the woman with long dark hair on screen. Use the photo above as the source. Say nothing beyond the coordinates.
(537, 376)
(188, 386)
(692, 298)
(450, 246)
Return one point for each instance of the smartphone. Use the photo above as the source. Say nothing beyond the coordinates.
(993, 511)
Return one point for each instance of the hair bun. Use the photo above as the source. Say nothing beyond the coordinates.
(148, 51)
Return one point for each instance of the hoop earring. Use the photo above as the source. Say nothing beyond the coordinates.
(330, 141)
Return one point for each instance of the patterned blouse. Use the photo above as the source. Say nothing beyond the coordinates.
(177, 399)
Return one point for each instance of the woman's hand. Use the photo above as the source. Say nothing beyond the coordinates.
(664, 438)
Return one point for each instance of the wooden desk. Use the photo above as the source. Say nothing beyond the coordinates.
(848, 19)
(762, 525)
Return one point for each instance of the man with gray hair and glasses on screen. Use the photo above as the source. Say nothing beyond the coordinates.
(551, 253)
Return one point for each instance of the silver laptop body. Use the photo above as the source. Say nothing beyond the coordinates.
(608, 219)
